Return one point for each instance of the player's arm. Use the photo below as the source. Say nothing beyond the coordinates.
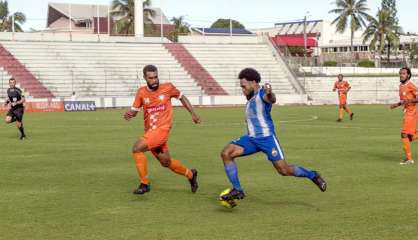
(186, 104)
(269, 97)
(335, 87)
(402, 102)
(21, 101)
(136, 107)
(6, 102)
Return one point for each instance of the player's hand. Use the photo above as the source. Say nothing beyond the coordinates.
(395, 105)
(196, 119)
(129, 115)
(267, 88)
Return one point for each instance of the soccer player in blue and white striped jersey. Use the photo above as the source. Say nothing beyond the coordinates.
(261, 136)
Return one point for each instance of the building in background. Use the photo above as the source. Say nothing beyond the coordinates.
(90, 19)
(325, 44)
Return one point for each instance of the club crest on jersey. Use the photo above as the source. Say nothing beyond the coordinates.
(274, 152)
(146, 100)
(161, 97)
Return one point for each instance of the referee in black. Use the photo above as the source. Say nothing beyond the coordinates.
(15, 101)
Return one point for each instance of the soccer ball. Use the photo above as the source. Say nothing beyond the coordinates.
(230, 203)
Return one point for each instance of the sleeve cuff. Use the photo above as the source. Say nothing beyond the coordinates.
(135, 109)
(181, 95)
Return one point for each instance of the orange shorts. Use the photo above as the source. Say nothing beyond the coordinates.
(409, 125)
(156, 140)
(343, 99)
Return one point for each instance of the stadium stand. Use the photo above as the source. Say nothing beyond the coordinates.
(224, 61)
(209, 85)
(97, 69)
(22, 75)
(4, 82)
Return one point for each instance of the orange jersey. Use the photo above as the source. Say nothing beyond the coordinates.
(408, 91)
(157, 107)
(342, 87)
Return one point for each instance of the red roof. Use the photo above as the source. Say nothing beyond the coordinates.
(294, 41)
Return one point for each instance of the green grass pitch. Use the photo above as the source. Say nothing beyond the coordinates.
(72, 179)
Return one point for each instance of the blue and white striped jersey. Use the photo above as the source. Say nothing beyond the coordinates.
(259, 122)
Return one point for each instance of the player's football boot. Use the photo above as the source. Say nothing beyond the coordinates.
(23, 137)
(234, 194)
(407, 162)
(320, 182)
(351, 116)
(143, 188)
(193, 182)
(339, 120)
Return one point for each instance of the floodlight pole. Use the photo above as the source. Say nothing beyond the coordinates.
(305, 39)
(98, 21)
(161, 20)
(139, 18)
(70, 20)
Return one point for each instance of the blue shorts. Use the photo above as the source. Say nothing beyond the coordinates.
(268, 145)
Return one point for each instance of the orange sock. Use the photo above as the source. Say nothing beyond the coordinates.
(141, 167)
(407, 148)
(178, 168)
(340, 113)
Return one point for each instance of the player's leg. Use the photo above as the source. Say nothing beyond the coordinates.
(138, 150)
(407, 134)
(10, 117)
(340, 112)
(18, 113)
(271, 147)
(240, 147)
(163, 155)
(348, 111)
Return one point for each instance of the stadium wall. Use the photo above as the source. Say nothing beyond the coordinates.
(333, 71)
(365, 90)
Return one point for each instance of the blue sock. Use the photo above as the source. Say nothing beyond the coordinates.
(303, 172)
(231, 171)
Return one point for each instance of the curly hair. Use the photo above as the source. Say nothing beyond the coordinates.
(250, 74)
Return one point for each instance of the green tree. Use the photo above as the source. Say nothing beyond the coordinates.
(224, 23)
(6, 20)
(352, 13)
(380, 31)
(124, 10)
(180, 27)
(390, 6)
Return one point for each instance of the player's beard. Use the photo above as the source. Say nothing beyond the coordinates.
(153, 86)
(404, 81)
(250, 95)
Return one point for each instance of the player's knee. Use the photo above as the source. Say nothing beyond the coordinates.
(137, 148)
(165, 163)
(226, 155)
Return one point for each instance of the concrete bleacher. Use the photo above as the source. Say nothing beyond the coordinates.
(97, 69)
(225, 61)
(364, 90)
(4, 84)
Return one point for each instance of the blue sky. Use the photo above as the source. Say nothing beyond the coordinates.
(261, 13)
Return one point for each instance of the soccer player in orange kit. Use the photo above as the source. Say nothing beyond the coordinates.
(155, 100)
(408, 98)
(343, 87)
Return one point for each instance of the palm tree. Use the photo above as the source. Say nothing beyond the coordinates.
(125, 11)
(6, 20)
(382, 30)
(180, 27)
(352, 13)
